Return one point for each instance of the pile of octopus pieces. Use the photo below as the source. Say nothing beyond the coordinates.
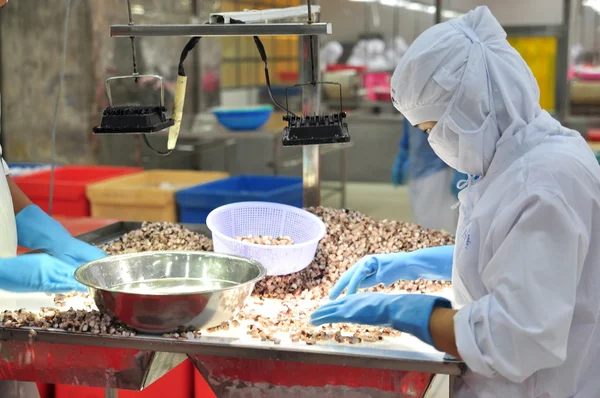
(350, 236)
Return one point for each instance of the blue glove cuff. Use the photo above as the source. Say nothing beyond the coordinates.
(37, 230)
(434, 263)
(415, 319)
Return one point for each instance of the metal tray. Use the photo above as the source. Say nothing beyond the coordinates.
(114, 231)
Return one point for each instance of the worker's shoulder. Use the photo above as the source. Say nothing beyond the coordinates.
(561, 163)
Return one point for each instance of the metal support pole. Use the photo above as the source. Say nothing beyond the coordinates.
(452, 383)
(563, 64)
(196, 10)
(111, 393)
(276, 154)
(343, 176)
(311, 158)
(438, 11)
(311, 98)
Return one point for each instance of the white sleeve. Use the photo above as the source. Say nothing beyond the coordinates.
(539, 245)
(4, 165)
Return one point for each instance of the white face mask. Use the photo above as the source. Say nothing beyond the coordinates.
(467, 151)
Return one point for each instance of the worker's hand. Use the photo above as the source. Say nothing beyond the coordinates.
(407, 313)
(76, 252)
(3, 3)
(434, 263)
(37, 230)
(400, 168)
(33, 273)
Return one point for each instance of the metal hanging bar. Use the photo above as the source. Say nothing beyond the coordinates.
(217, 30)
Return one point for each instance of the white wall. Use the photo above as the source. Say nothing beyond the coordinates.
(348, 17)
(517, 12)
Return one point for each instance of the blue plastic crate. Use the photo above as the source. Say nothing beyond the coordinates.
(197, 202)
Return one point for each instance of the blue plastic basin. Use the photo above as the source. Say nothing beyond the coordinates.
(243, 119)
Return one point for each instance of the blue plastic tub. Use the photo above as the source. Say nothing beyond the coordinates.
(19, 169)
(195, 203)
(243, 119)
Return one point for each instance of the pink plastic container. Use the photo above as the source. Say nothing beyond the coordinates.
(378, 85)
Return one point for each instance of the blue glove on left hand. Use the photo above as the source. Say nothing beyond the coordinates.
(433, 263)
(407, 313)
(37, 230)
(33, 273)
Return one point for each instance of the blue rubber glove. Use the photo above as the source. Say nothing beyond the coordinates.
(434, 263)
(400, 168)
(37, 230)
(33, 273)
(407, 313)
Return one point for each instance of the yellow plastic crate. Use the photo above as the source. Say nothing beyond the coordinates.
(146, 196)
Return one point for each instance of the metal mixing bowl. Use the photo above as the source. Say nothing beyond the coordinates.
(161, 292)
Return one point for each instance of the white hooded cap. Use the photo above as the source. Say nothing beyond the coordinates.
(330, 54)
(371, 54)
(468, 61)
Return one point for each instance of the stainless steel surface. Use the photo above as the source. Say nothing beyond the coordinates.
(18, 389)
(235, 378)
(311, 178)
(135, 76)
(162, 363)
(111, 393)
(134, 362)
(58, 343)
(160, 292)
(91, 363)
(205, 30)
(311, 97)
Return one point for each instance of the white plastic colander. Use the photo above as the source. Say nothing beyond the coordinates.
(267, 219)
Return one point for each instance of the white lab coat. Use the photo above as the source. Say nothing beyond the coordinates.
(527, 270)
(8, 227)
(527, 258)
(8, 248)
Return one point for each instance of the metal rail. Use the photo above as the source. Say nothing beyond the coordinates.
(215, 30)
(372, 356)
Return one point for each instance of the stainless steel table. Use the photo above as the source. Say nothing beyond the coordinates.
(135, 362)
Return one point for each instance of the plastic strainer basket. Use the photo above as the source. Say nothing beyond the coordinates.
(267, 219)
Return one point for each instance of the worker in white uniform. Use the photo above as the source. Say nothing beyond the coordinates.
(49, 272)
(432, 185)
(526, 265)
(27, 225)
(330, 54)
